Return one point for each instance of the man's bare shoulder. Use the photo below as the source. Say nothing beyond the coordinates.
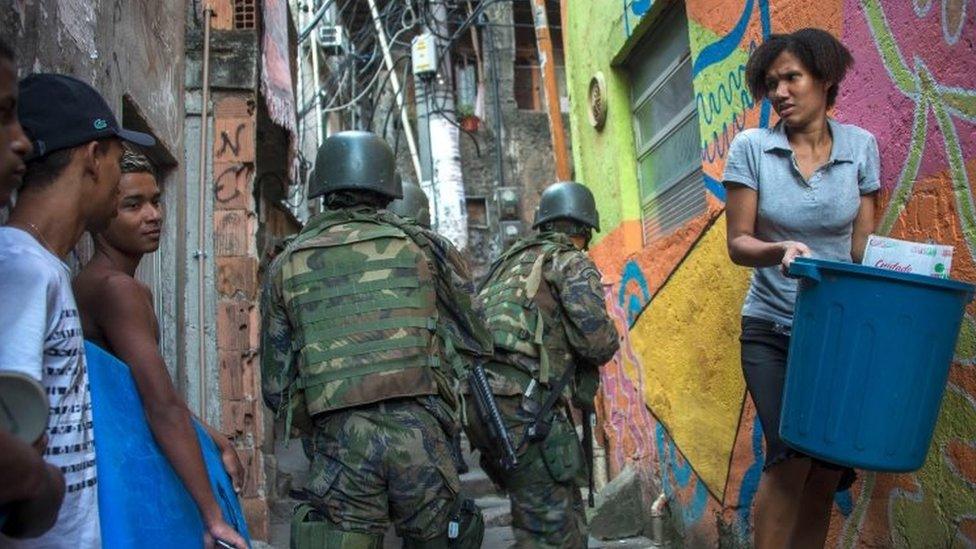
(108, 289)
(122, 286)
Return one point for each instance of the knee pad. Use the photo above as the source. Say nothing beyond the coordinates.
(309, 530)
(465, 529)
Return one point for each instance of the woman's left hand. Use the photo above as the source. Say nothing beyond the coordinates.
(791, 251)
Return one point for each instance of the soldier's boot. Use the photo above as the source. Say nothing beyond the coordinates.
(309, 531)
(466, 530)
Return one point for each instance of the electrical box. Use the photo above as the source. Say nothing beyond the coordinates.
(507, 199)
(423, 53)
(508, 233)
(332, 39)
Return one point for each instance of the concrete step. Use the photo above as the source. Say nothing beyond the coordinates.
(498, 537)
(495, 510)
(475, 484)
(628, 543)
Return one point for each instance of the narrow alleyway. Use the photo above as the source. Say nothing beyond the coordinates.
(485, 104)
(293, 468)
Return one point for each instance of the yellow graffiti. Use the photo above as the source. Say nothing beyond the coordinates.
(689, 350)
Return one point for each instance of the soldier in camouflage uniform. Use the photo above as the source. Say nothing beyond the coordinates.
(368, 325)
(544, 304)
(414, 204)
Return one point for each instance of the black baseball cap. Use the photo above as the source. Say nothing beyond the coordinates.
(58, 112)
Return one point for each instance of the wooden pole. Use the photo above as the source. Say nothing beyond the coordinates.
(547, 64)
(564, 22)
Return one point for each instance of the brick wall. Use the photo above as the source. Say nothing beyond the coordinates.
(238, 323)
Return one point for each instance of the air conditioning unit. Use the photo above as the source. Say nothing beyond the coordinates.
(333, 39)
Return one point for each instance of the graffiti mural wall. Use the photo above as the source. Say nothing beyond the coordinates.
(674, 402)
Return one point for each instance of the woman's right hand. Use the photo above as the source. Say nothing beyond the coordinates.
(791, 251)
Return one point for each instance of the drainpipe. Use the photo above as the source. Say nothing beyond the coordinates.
(319, 134)
(395, 83)
(658, 516)
(497, 100)
(201, 253)
(300, 122)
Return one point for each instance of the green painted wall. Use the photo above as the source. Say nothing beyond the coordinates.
(605, 160)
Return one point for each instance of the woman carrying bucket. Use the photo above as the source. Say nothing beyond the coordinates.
(805, 187)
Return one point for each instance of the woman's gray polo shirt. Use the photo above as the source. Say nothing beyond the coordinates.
(819, 212)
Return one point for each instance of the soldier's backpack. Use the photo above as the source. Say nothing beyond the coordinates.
(360, 295)
(516, 301)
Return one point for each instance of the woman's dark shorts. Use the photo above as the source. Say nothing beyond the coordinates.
(765, 348)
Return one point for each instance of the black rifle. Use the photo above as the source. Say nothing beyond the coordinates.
(487, 408)
(588, 451)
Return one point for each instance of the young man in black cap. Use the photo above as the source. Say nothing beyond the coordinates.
(70, 186)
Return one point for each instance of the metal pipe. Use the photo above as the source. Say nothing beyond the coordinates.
(395, 82)
(317, 97)
(300, 119)
(497, 100)
(201, 254)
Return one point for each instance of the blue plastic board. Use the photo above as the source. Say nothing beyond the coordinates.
(142, 502)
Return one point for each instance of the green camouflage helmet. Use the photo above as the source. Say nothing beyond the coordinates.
(355, 161)
(567, 200)
(414, 204)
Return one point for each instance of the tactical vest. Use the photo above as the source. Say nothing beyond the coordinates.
(521, 311)
(361, 297)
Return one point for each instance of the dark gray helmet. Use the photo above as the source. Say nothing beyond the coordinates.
(355, 161)
(414, 204)
(567, 200)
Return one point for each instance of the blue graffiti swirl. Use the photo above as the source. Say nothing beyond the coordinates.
(750, 481)
(635, 303)
(716, 52)
(640, 7)
(694, 509)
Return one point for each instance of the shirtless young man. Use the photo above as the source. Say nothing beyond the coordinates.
(117, 313)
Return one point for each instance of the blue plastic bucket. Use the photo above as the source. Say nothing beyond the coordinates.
(869, 356)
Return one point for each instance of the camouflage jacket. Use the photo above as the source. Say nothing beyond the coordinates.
(576, 325)
(460, 331)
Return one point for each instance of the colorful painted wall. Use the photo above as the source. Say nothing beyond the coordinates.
(674, 402)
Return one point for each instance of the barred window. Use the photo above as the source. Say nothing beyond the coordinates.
(666, 131)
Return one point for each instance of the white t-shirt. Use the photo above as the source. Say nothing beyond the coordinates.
(40, 335)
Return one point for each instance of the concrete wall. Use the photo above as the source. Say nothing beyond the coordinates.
(132, 52)
(528, 165)
(674, 402)
(121, 48)
(526, 145)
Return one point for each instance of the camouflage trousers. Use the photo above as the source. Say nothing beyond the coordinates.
(544, 490)
(385, 462)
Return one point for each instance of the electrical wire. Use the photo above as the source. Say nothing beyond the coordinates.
(356, 81)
